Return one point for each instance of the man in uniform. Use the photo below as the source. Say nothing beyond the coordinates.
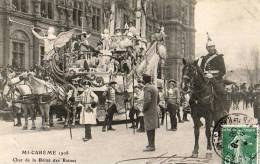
(150, 110)
(110, 95)
(213, 66)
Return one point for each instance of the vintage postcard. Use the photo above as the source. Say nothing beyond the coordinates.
(129, 81)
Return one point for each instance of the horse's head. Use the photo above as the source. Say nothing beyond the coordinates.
(192, 75)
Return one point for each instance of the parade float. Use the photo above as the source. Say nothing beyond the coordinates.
(122, 57)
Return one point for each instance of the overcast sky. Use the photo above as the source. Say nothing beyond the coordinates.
(234, 25)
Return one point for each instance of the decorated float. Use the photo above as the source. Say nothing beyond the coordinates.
(122, 57)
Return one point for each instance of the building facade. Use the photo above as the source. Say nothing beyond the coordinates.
(19, 47)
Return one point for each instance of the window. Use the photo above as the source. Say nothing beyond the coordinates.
(134, 4)
(47, 9)
(41, 54)
(96, 19)
(20, 5)
(77, 13)
(183, 39)
(126, 20)
(18, 60)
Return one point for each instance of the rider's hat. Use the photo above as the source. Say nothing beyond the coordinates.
(209, 41)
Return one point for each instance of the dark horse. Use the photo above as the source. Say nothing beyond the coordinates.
(203, 102)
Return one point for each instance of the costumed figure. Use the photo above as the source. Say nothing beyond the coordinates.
(84, 44)
(139, 99)
(106, 40)
(48, 42)
(172, 99)
(110, 95)
(162, 104)
(88, 113)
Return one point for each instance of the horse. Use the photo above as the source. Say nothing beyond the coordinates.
(62, 103)
(203, 103)
(48, 95)
(19, 95)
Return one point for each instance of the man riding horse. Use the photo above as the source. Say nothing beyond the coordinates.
(213, 66)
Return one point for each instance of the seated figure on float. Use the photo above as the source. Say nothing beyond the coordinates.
(48, 42)
(75, 44)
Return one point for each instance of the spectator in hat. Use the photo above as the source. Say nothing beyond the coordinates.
(150, 110)
(172, 99)
(88, 113)
(110, 95)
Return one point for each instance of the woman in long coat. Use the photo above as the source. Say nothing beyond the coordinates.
(88, 113)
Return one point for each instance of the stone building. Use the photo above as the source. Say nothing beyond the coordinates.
(19, 47)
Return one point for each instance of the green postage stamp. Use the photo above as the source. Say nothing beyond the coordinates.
(239, 144)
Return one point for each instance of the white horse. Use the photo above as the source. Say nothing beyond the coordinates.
(48, 94)
(18, 95)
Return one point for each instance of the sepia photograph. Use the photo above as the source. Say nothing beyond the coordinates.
(129, 81)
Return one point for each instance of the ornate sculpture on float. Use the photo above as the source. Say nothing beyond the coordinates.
(48, 42)
(106, 40)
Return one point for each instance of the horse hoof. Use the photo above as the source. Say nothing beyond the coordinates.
(18, 124)
(209, 155)
(33, 128)
(195, 155)
(25, 128)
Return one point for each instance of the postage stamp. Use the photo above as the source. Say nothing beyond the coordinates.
(235, 139)
(239, 144)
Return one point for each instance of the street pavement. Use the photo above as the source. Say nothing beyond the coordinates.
(105, 147)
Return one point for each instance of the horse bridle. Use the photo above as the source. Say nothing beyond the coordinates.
(196, 72)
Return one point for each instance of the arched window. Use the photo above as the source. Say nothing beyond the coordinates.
(20, 50)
